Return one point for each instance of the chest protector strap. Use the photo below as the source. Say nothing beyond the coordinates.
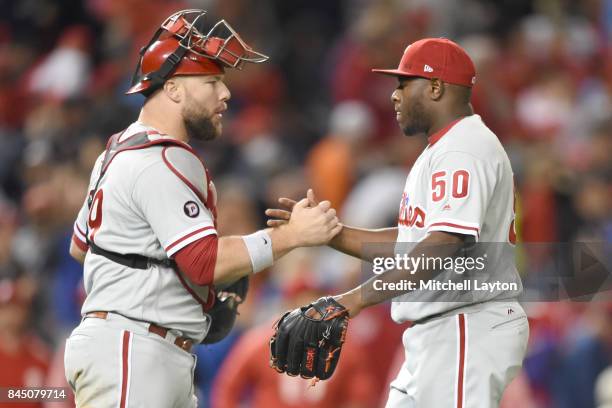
(115, 146)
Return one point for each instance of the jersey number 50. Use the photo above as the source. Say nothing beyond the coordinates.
(460, 184)
(94, 220)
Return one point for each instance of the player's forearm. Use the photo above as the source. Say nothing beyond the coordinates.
(436, 245)
(77, 253)
(307, 226)
(234, 261)
(351, 240)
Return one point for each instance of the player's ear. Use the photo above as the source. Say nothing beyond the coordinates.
(173, 88)
(436, 89)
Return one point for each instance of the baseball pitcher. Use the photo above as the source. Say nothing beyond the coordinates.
(462, 351)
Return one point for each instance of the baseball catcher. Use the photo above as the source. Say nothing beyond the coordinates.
(308, 340)
(158, 276)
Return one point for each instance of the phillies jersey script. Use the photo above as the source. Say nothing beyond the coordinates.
(129, 214)
(461, 183)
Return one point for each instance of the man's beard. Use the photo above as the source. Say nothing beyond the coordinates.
(199, 126)
(418, 120)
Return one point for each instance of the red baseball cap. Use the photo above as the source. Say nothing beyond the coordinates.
(436, 58)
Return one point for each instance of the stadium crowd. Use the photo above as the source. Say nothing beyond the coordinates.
(314, 116)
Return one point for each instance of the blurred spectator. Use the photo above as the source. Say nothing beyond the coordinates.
(594, 206)
(57, 378)
(518, 394)
(543, 110)
(603, 389)
(332, 163)
(373, 203)
(492, 101)
(23, 356)
(65, 72)
(585, 359)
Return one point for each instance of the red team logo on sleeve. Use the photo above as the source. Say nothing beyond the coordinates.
(410, 216)
(191, 209)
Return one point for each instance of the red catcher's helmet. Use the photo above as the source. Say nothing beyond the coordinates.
(179, 48)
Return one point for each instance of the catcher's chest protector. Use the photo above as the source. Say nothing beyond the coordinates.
(115, 146)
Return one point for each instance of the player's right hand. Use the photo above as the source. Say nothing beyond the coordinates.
(313, 225)
(280, 216)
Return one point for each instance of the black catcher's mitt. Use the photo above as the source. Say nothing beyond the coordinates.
(224, 311)
(307, 341)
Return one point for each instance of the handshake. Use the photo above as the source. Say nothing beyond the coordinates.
(306, 222)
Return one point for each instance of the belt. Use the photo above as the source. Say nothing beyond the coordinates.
(181, 342)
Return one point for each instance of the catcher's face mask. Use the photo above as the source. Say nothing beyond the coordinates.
(179, 47)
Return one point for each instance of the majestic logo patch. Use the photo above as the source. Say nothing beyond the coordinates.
(427, 68)
(191, 209)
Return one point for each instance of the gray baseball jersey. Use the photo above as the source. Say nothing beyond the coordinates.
(151, 201)
(461, 183)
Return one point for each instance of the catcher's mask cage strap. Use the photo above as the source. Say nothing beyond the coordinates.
(157, 78)
(137, 74)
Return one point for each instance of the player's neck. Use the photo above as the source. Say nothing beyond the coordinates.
(164, 122)
(442, 119)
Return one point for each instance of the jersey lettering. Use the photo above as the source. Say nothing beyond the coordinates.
(94, 220)
(410, 216)
(461, 178)
(459, 188)
(438, 186)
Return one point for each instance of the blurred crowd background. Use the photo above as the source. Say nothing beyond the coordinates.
(313, 116)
